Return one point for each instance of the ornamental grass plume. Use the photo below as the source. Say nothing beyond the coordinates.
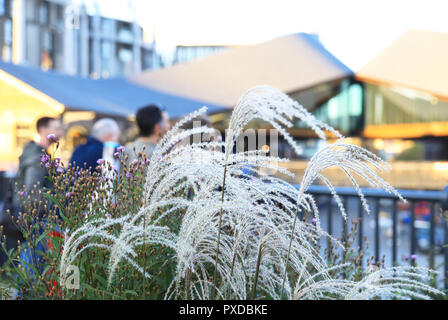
(238, 235)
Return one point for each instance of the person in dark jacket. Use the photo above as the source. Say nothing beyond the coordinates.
(30, 170)
(104, 132)
(32, 174)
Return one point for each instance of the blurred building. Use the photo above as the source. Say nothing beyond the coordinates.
(28, 93)
(297, 64)
(406, 98)
(78, 37)
(189, 53)
(6, 29)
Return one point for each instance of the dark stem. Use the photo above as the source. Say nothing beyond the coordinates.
(187, 284)
(219, 233)
(289, 251)
(257, 270)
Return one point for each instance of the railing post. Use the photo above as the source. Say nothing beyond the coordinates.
(445, 231)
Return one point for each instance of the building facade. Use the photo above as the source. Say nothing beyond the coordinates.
(189, 53)
(6, 29)
(76, 37)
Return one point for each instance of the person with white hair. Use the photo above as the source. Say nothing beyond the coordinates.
(100, 144)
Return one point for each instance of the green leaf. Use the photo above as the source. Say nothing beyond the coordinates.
(58, 204)
(100, 279)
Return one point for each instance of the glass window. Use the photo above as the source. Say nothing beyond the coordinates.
(125, 31)
(3, 7)
(125, 56)
(8, 32)
(106, 50)
(107, 27)
(343, 111)
(43, 13)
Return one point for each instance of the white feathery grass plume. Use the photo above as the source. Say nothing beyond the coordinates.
(386, 284)
(255, 209)
(273, 106)
(352, 160)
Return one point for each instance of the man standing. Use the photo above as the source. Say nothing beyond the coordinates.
(104, 136)
(153, 123)
(30, 170)
(31, 173)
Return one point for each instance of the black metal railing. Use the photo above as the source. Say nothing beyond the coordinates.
(434, 199)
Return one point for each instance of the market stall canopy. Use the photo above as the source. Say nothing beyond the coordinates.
(416, 60)
(116, 96)
(291, 63)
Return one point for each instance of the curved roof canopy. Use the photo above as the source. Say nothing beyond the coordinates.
(117, 96)
(416, 60)
(291, 63)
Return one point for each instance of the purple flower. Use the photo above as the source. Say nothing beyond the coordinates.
(68, 194)
(414, 257)
(121, 149)
(48, 165)
(405, 258)
(23, 194)
(116, 155)
(60, 170)
(313, 221)
(72, 179)
(129, 175)
(100, 161)
(52, 137)
(44, 158)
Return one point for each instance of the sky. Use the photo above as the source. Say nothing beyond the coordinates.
(355, 31)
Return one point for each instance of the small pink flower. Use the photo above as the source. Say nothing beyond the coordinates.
(68, 194)
(100, 161)
(405, 258)
(116, 155)
(414, 257)
(313, 221)
(121, 149)
(52, 137)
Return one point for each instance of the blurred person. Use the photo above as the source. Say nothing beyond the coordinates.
(153, 123)
(31, 173)
(30, 170)
(100, 144)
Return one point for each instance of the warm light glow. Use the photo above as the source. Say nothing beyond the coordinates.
(74, 116)
(30, 91)
(378, 144)
(21, 106)
(440, 166)
(265, 148)
(36, 138)
(406, 130)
